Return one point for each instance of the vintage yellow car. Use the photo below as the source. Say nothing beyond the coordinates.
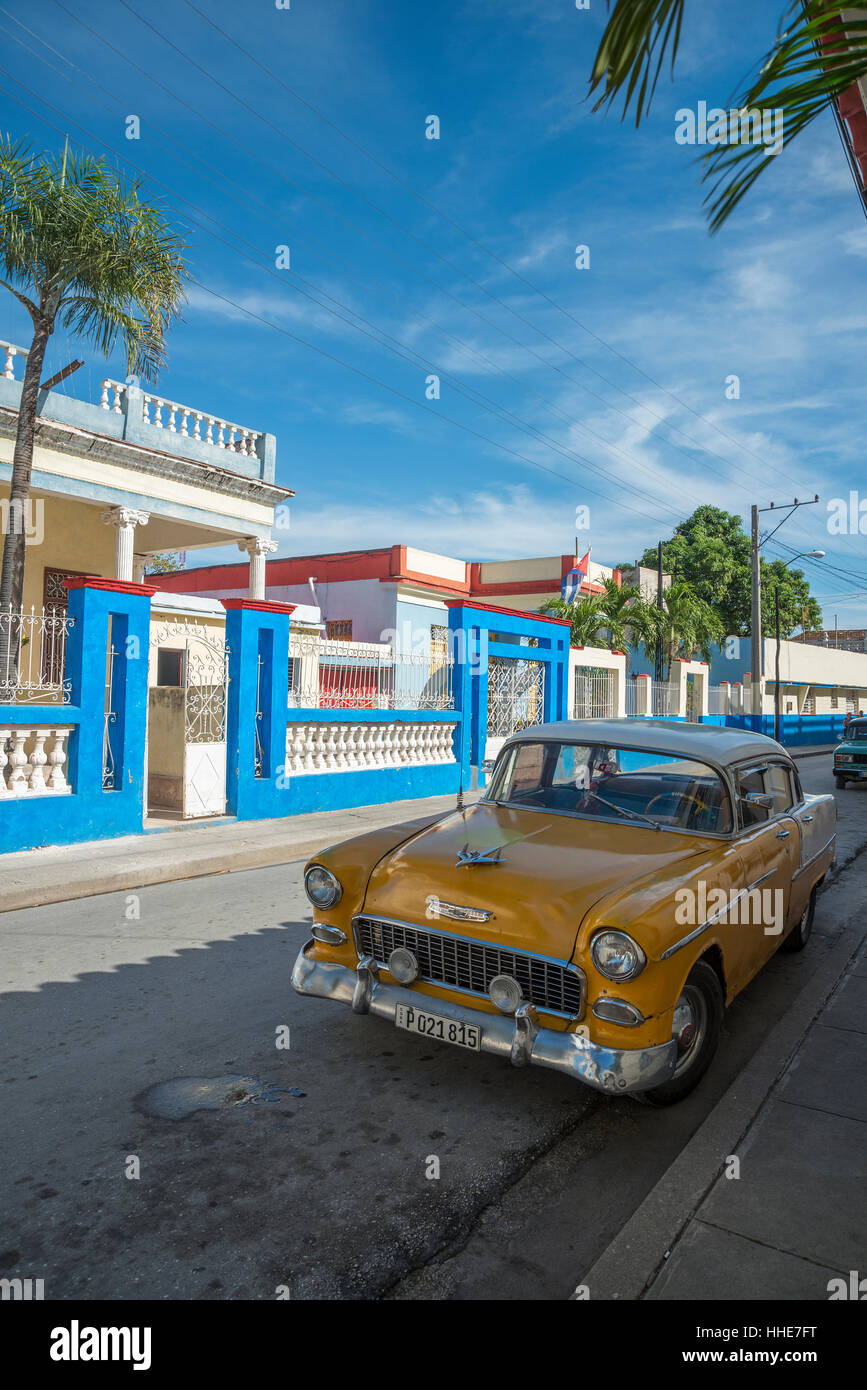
(618, 883)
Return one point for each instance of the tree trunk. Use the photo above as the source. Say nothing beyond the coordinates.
(12, 576)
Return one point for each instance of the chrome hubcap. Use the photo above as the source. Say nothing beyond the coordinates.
(689, 1025)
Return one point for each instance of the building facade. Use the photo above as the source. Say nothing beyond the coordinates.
(397, 594)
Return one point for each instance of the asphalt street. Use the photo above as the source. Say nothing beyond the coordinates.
(316, 1179)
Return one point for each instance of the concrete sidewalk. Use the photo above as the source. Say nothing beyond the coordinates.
(790, 1216)
(795, 1217)
(58, 873)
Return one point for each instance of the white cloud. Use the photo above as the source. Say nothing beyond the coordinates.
(854, 242)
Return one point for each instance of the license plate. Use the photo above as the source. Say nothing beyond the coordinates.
(443, 1029)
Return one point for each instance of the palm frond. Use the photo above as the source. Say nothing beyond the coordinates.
(80, 242)
(812, 64)
(637, 38)
(820, 52)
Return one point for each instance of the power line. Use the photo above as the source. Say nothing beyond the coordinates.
(469, 236)
(510, 337)
(332, 357)
(500, 411)
(493, 407)
(402, 348)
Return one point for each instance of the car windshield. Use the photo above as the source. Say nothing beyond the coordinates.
(857, 733)
(622, 784)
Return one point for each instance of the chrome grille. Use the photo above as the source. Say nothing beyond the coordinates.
(463, 964)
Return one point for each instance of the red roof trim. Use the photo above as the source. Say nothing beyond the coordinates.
(534, 586)
(512, 612)
(117, 586)
(259, 604)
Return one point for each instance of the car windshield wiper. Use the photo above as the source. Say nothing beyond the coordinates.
(630, 815)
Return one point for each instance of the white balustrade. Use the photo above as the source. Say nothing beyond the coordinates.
(28, 767)
(118, 388)
(332, 746)
(10, 352)
(219, 433)
(179, 419)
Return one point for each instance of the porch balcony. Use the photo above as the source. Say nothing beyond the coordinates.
(133, 475)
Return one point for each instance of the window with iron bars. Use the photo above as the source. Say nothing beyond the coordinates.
(439, 647)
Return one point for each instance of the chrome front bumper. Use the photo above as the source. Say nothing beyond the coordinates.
(520, 1039)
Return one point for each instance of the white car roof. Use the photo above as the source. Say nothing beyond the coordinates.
(706, 742)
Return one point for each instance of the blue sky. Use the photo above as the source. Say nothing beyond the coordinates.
(637, 424)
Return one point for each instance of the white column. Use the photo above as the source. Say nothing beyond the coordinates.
(257, 547)
(124, 520)
(139, 565)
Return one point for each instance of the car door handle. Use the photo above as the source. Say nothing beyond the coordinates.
(783, 834)
(804, 819)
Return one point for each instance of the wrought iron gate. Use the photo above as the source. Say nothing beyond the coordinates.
(516, 695)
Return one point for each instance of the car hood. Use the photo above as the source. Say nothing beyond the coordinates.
(552, 870)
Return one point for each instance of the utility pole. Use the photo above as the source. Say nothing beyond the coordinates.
(756, 644)
(755, 617)
(777, 677)
(657, 666)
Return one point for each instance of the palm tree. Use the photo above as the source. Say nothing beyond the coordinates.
(820, 51)
(78, 248)
(615, 619)
(626, 614)
(683, 626)
(587, 616)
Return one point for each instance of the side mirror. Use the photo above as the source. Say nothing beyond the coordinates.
(759, 799)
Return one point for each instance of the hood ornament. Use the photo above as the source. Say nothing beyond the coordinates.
(467, 856)
(435, 907)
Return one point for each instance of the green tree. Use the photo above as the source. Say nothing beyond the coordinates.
(684, 626)
(813, 61)
(164, 562)
(586, 615)
(710, 551)
(626, 615)
(615, 619)
(78, 248)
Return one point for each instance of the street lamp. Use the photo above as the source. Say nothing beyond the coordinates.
(805, 555)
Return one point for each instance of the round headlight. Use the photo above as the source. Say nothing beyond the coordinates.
(505, 993)
(322, 888)
(616, 955)
(403, 965)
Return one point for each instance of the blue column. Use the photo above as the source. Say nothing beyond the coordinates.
(464, 689)
(471, 626)
(257, 635)
(101, 608)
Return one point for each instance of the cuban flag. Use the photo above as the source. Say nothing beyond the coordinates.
(571, 586)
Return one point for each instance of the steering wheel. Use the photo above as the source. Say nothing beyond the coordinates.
(678, 797)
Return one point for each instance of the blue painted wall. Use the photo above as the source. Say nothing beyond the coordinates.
(796, 731)
(89, 812)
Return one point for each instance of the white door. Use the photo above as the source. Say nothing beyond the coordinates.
(204, 779)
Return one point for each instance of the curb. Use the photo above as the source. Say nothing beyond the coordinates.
(629, 1265)
(146, 875)
(143, 863)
